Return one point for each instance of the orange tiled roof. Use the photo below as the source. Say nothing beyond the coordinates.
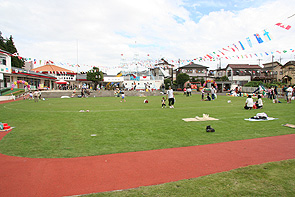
(51, 68)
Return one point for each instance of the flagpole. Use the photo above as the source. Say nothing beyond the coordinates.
(77, 58)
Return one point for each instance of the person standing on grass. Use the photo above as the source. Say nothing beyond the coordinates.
(122, 97)
(39, 94)
(36, 94)
(289, 94)
(203, 94)
(189, 91)
(163, 102)
(213, 93)
(170, 97)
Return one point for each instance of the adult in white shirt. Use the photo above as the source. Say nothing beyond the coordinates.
(189, 91)
(290, 93)
(170, 97)
(249, 103)
(212, 92)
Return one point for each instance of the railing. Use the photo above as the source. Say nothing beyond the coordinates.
(156, 78)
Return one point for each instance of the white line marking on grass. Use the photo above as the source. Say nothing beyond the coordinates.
(109, 110)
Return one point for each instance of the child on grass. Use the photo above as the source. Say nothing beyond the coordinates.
(259, 103)
(163, 102)
(123, 97)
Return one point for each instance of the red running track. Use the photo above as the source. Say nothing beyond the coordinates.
(73, 176)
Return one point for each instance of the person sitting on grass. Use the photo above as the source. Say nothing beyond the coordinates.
(208, 97)
(249, 103)
(259, 103)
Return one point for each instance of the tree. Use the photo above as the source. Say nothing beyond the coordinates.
(167, 83)
(8, 45)
(2, 42)
(223, 78)
(182, 78)
(95, 75)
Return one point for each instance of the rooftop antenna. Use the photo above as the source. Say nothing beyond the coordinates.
(259, 61)
(280, 59)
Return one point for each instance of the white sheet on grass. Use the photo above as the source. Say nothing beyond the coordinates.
(268, 118)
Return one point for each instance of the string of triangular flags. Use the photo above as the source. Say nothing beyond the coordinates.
(233, 51)
(240, 46)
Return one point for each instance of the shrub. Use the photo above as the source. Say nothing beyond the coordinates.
(254, 84)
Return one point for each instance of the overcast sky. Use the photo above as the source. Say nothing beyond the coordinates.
(102, 30)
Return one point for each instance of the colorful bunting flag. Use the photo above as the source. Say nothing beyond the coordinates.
(243, 48)
(266, 34)
(231, 48)
(249, 41)
(258, 38)
(236, 47)
(287, 27)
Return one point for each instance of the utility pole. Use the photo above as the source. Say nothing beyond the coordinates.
(272, 67)
(259, 61)
(77, 57)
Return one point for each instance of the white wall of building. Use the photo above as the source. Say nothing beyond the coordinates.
(242, 78)
(140, 85)
(5, 63)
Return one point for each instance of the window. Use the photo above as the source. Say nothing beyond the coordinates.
(3, 60)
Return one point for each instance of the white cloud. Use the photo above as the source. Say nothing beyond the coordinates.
(107, 29)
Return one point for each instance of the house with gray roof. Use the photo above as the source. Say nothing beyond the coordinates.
(241, 74)
(194, 70)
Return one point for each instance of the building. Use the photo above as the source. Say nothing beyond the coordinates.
(35, 80)
(217, 74)
(28, 65)
(5, 68)
(11, 75)
(193, 70)
(61, 74)
(165, 69)
(288, 73)
(271, 72)
(241, 74)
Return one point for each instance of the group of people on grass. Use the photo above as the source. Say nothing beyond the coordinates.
(36, 95)
(250, 104)
(187, 91)
(170, 97)
(289, 92)
(208, 98)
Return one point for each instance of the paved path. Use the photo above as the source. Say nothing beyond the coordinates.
(72, 176)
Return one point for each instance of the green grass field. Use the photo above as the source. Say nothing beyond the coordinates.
(271, 179)
(55, 128)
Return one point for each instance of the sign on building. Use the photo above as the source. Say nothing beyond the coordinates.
(113, 79)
